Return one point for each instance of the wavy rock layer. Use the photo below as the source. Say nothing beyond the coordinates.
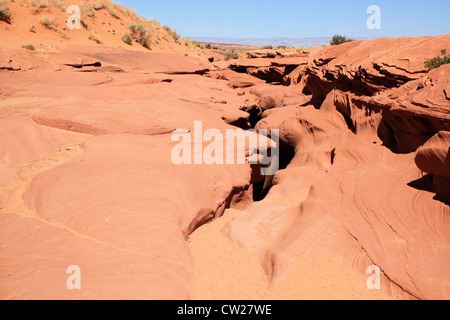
(87, 177)
(355, 147)
(88, 180)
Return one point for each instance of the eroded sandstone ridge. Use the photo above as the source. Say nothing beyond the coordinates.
(374, 112)
(87, 177)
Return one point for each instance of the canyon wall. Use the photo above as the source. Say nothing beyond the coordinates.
(88, 180)
(371, 153)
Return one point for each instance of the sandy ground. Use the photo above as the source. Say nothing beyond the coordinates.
(223, 270)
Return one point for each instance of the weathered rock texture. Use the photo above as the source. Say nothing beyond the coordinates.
(373, 108)
(87, 177)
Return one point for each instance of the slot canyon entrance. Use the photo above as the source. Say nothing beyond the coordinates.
(225, 270)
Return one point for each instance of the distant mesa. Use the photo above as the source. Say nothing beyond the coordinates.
(261, 42)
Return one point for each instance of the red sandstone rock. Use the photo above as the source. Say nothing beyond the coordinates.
(362, 199)
(86, 175)
(434, 158)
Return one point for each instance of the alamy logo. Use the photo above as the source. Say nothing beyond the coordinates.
(74, 280)
(74, 21)
(374, 281)
(374, 21)
(233, 147)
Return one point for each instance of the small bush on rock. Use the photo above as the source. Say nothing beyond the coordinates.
(5, 14)
(338, 39)
(128, 39)
(140, 34)
(438, 61)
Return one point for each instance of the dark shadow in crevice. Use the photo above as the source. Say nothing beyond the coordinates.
(287, 153)
(333, 156)
(403, 135)
(255, 116)
(426, 184)
(259, 193)
(261, 189)
(241, 123)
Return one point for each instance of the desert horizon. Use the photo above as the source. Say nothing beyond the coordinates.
(218, 153)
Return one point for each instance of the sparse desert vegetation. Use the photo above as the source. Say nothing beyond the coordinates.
(338, 39)
(193, 45)
(88, 9)
(5, 14)
(48, 22)
(95, 37)
(64, 35)
(140, 34)
(96, 21)
(29, 47)
(172, 33)
(438, 61)
(231, 55)
(127, 38)
(39, 5)
(108, 5)
(91, 174)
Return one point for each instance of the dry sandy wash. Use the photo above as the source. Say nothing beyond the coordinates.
(87, 179)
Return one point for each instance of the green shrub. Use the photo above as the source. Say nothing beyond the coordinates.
(39, 6)
(29, 47)
(268, 47)
(59, 4)
(140, 34)
(172, 33)
(137, 31)
(5, 14)
(338, 39)
(191, 44)
(84, 24)
(47, 22)
(231, 55)
(108, 5)
(438, 61)
(128, 39)
(88, 10)
(94, 37)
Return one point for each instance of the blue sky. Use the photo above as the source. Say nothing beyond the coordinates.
(296, 18)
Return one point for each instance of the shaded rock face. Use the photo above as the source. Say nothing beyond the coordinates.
(373, 113)
(86, 150)
(392, 81)
(434, 158)
(384, 76)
